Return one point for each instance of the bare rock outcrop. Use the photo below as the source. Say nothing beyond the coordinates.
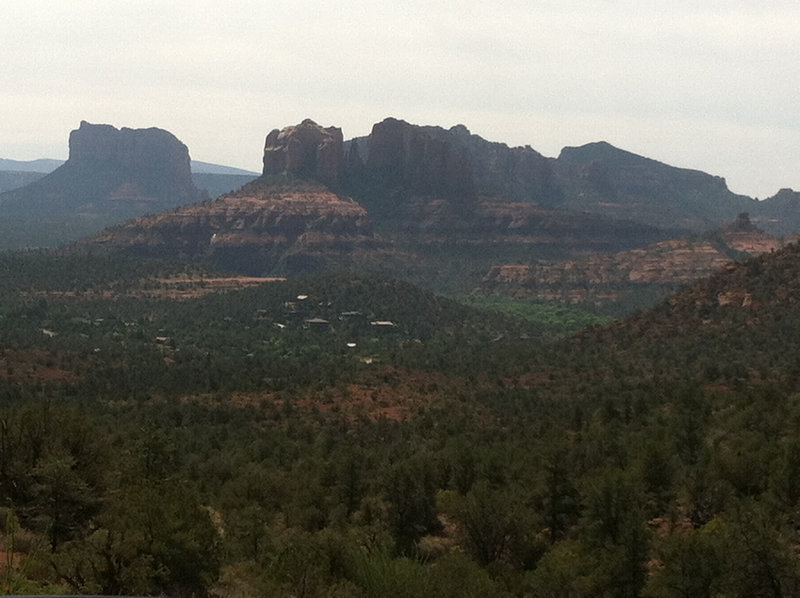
(259, 229)
(517, 174)
(307, 151)
(743, 236)
(657, 268)
(148, 163)
(289, 220)
(106, 165)
(111, 175)
(603, 179)
(407, 156)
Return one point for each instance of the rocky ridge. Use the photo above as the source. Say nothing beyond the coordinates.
(597, 178)
(657, 268)
(256, 230)
(603, 179)
(431, 186)
(447, 201)
(289, 220)
(423, 188)
(404, 157)
(516, 174)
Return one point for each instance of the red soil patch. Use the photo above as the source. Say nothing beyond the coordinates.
(181, 288)
(32, 366)
(16, 559)
(531, 379)
(389, 393)
(177, 288)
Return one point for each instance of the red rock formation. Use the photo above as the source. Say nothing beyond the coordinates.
(153, 161)
(743, 236)
(407, 156)
(259, 229)
(603, 179)
(289, 220)
(307, 151)
(111, 175)
(666, 264)
(518, 174)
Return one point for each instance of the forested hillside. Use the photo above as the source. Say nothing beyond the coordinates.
(166, 429)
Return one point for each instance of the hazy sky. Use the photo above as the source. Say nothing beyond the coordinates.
(708, 85)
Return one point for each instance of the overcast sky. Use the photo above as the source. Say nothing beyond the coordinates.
(710, 85)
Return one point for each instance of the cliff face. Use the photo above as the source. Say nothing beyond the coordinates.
(259, 229)
(401, 156)
(484, 168)
(428, 186)
(111, 175)
(517, 174)
(288, 221)
(148, 164)
(603, 179)
(656, 268)
(430, 161)
(307, 151)
(581, 226)
(105, 163)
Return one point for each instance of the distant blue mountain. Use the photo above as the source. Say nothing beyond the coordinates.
(47, 165)
(44, 165)
(216, 179)
(209, 168)
(14, 179)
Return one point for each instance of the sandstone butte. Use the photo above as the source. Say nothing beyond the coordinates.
(289, 219)
(296, 218)
(419, 184)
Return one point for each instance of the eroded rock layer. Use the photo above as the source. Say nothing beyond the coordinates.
(658, 267)
(259, 229)
(307, 151)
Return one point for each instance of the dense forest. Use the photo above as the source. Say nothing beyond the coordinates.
(348, 436)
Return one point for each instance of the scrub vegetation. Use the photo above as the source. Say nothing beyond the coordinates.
(346, 436)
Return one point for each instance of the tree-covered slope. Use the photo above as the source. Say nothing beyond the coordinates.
(273, 441)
